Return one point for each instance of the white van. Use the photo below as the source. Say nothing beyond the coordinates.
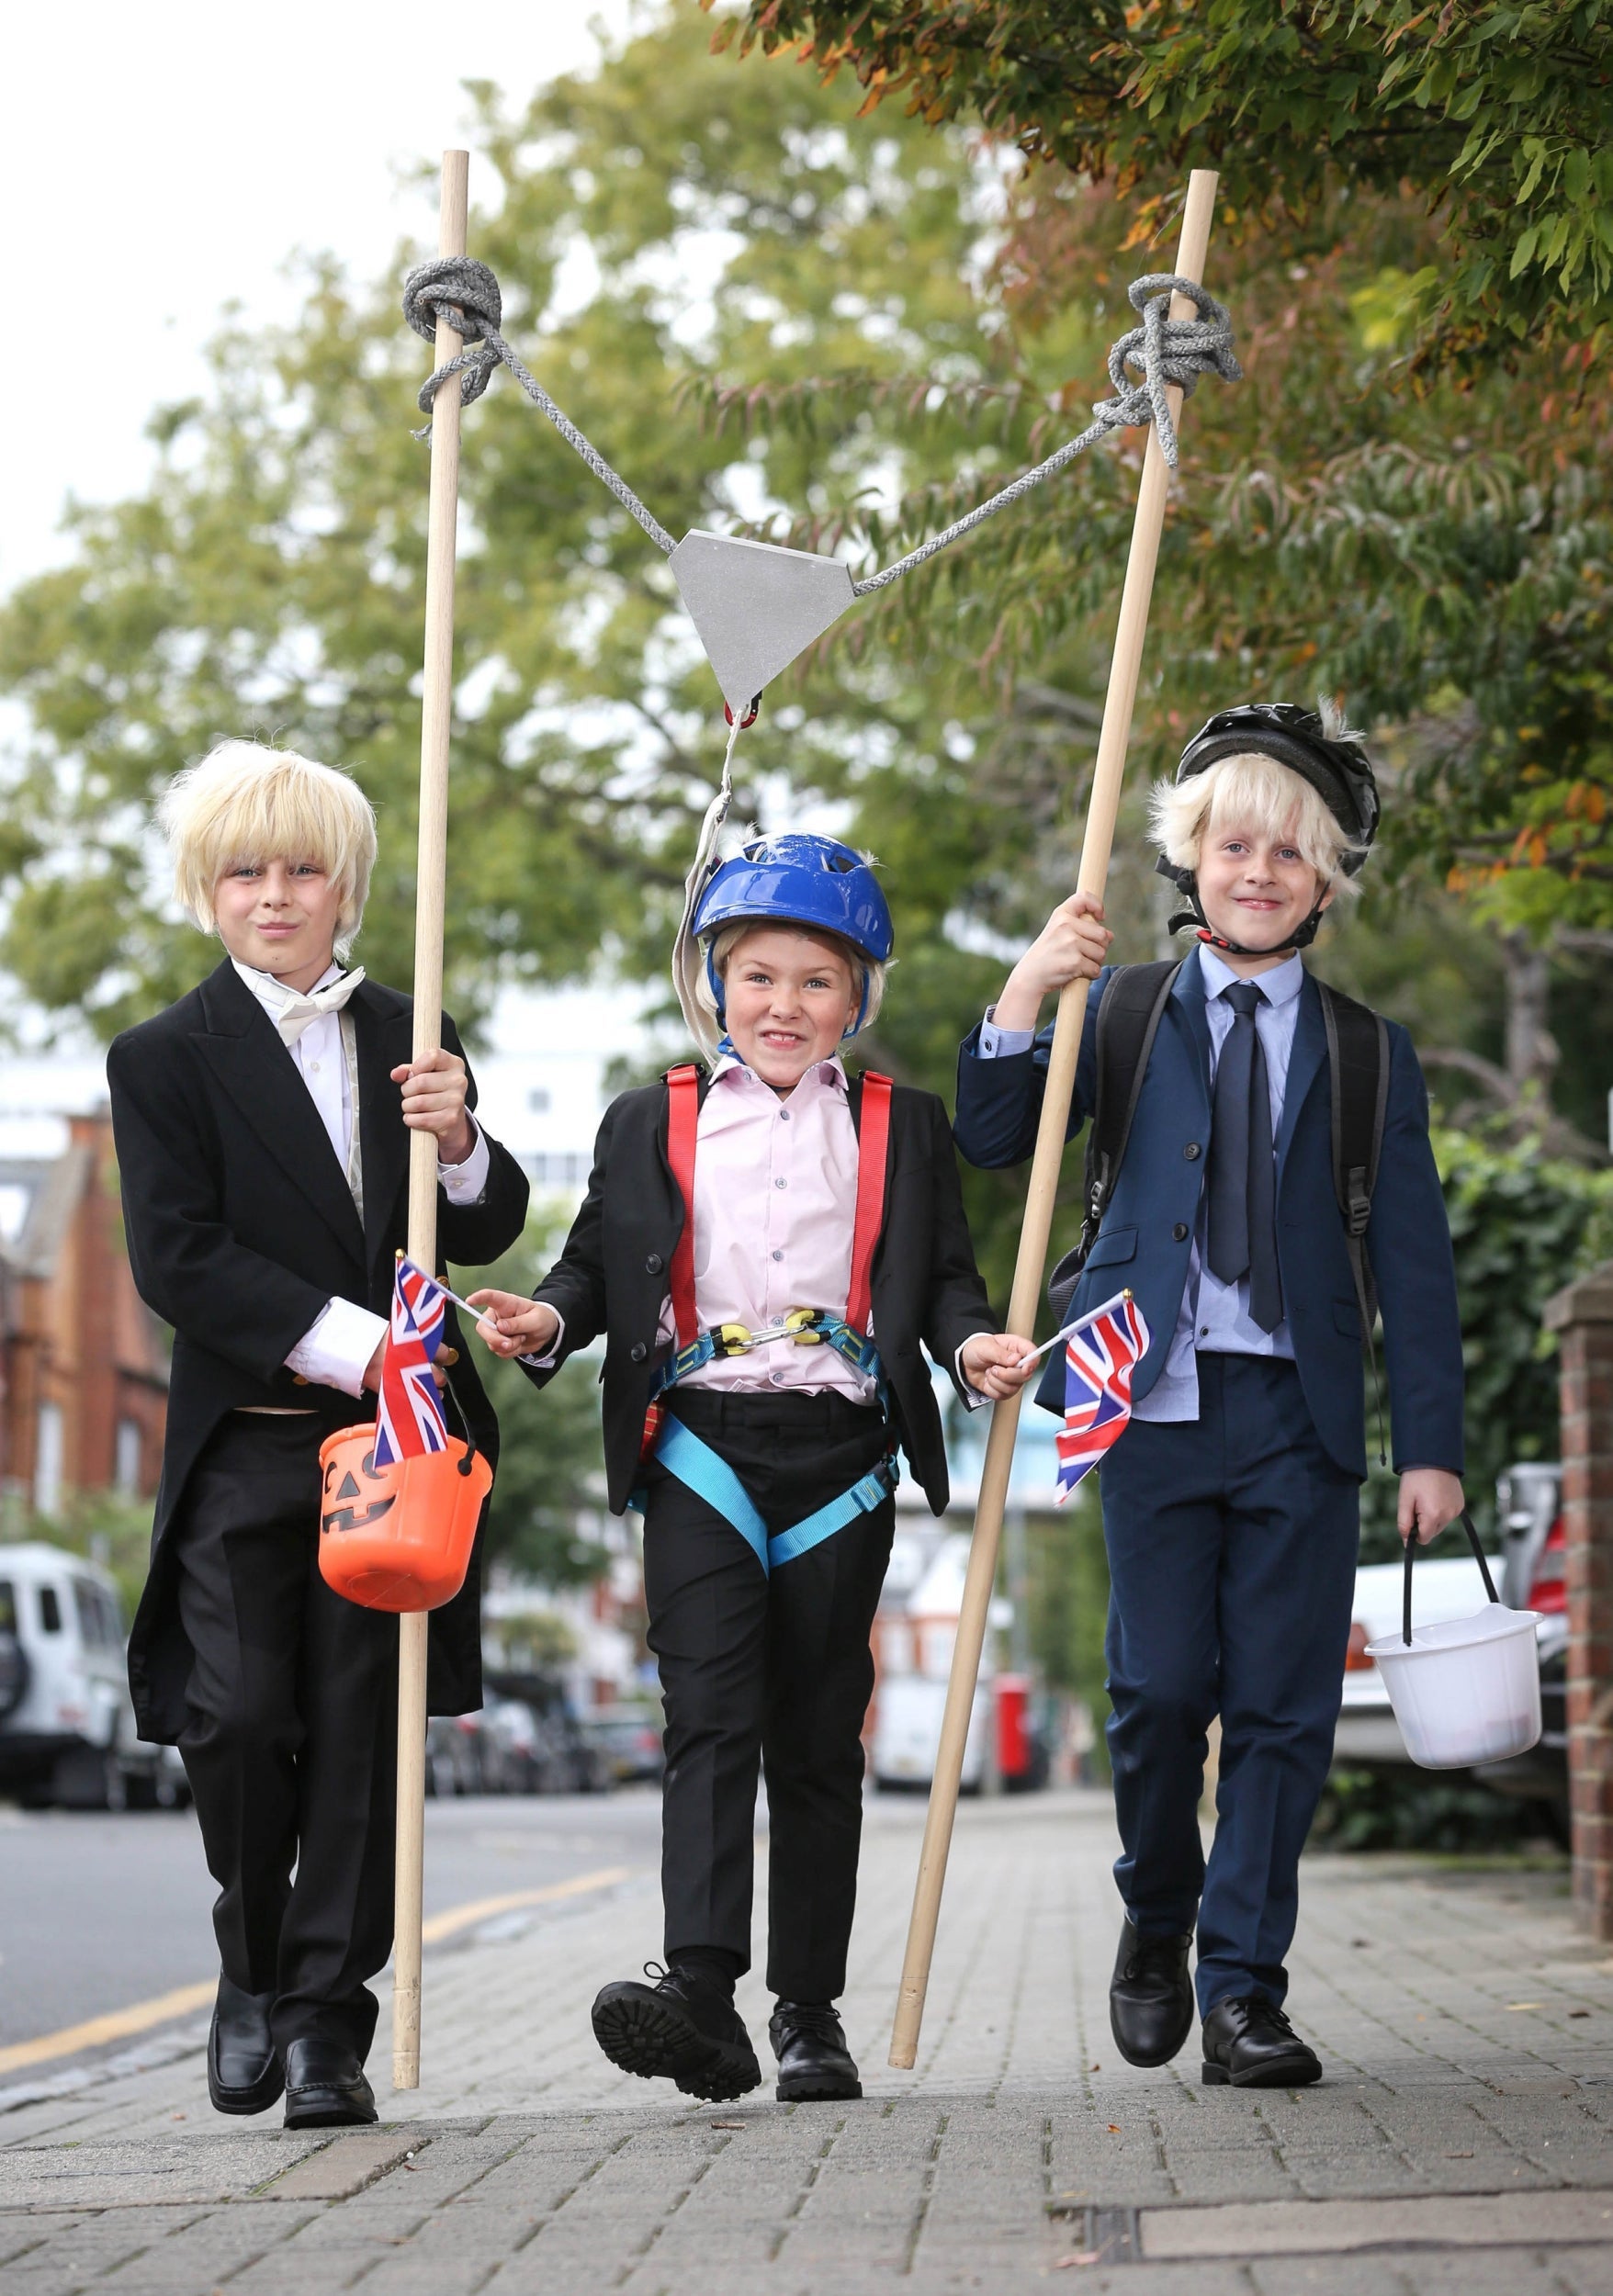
(67, 1731)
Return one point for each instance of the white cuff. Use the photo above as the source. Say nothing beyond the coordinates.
(336, 1348)
(467, 1183)
(970, 1395)
(546, 1363)
(997, 1043)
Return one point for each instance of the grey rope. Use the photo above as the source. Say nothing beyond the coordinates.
(1160, 352)
(468, 294)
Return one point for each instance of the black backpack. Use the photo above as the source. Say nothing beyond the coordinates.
(1358, 1060)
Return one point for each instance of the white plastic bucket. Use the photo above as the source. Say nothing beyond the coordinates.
(1467, 1690)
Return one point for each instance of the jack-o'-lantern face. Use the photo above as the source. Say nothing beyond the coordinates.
(353, 1500)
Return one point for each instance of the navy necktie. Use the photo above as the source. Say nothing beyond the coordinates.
(1242, 1178)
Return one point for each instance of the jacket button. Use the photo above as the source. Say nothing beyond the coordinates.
(1179, 1232)
(654, 1264)
(1192, 1152)
(638, 1352)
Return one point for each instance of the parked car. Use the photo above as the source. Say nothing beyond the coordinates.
(67, 1731)
(1529, 1574)
(628, 1741)
(453, 1755)
(544, 1751)
(907, 1734)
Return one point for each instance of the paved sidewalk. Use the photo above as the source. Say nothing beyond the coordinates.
(1463, 2137)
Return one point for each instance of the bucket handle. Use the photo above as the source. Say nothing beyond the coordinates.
(1480, 1557)
(466, 1464)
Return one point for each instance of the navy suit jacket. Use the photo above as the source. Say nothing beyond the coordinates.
(1147, 1232)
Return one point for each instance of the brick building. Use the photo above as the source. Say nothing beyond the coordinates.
(83, 1366)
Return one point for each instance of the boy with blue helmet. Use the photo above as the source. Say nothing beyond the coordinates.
(764, 1285)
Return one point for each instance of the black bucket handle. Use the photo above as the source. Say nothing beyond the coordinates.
(1480, 1557)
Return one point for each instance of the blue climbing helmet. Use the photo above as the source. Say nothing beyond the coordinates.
(797, 878)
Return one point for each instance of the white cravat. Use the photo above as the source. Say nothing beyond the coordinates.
(291, 1012)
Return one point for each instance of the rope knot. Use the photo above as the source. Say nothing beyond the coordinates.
(1164, 351)
(465, 294)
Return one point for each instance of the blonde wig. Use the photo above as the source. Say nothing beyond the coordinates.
(1258, 793)
(245, 804)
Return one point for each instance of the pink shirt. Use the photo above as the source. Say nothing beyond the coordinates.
(775, 1197)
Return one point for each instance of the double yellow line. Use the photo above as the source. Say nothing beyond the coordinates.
(94, 2032)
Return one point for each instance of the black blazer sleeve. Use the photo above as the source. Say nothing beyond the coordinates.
(1408, 1243)
(188, 1266)
(999, 1101)
(955, 1306)
(575, 1284)
(472, 1234)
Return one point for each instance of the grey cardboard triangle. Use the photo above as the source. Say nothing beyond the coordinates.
(755, 605)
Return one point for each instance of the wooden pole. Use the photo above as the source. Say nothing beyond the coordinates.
(437, 709)
(1044, 1170)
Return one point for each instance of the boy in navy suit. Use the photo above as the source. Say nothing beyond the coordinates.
(1231, 1503)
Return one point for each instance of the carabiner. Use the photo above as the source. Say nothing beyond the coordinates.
(751, 716)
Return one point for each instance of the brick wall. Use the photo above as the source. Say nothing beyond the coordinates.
(1583, 1315)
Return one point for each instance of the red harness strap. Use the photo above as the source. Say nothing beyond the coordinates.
(873, 1136)
(683, 1126)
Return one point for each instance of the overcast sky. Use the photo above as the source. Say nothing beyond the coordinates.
(161, 161)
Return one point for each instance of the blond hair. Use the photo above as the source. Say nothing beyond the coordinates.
(247, 804)
(1260, 793)
(867, 976)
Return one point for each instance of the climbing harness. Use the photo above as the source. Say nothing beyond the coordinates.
(755, 605)
(682, 1452)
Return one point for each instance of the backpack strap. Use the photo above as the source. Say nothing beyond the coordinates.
(1358, 1062)
(682, 1128)
(873, 1140)
(1128, 1014)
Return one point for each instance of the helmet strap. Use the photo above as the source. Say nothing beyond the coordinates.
(1193, 917)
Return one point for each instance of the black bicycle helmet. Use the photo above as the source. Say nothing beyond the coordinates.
(1335, 766)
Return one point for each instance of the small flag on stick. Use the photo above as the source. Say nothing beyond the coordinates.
(409, 1412)
(1100, 1354)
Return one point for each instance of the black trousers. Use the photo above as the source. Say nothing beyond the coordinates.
(290, 1742)
(775, 1669)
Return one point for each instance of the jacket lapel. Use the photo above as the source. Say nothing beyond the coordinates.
(243, 1048)
(1304, 1062)
(1186, 1004)
(385, 1038)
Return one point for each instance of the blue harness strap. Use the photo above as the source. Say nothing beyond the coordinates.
(703, 1471)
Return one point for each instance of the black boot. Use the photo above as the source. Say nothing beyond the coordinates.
(243, 2066)
(325, 2087)
(1251, 2044)
(683, 2029)
(809, 2043)
(1150, 1997)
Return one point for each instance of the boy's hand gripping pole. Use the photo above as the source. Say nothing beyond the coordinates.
(437, 709)
(1044, 1170)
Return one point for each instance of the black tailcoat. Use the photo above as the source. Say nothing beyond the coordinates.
(611, 1275)
(240, 1226)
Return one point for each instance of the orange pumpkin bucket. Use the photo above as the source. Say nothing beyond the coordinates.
(397, 1537)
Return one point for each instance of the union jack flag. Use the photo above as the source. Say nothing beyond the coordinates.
(409, 1411)
(1100, 1354)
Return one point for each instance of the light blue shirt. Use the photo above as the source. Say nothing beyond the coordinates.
(1214, 1316)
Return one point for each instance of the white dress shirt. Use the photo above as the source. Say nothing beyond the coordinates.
(336, 1350)
(1214, 1316)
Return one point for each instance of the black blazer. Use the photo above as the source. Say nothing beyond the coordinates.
(240, 1228)
(611, 1275)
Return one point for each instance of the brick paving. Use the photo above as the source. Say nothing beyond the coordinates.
(1463, 2139)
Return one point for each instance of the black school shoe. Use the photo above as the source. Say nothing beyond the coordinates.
(326, 2087)
(1150, 1997)
(243, 2064)
(1251, 2044)
(680, 2029)
(809, 2043)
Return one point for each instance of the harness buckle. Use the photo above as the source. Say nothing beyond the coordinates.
(804, 1327)
(729, 1339)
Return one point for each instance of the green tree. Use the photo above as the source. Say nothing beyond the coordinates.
(1497, 115)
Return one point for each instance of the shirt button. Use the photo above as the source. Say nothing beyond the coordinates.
(778, 1255)
(638, 1352)
(654, 1264)
(781, 1183)
(784, 1116)
(1203, 1331)
(313, 1068)
(1179, 1232)
(1192, 1151)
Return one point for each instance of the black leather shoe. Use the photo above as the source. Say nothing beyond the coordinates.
(325, 2087)
(1251, 2044)
(680, 2029)
(243, 2066)
(809, 2043)
(1150, 1997)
